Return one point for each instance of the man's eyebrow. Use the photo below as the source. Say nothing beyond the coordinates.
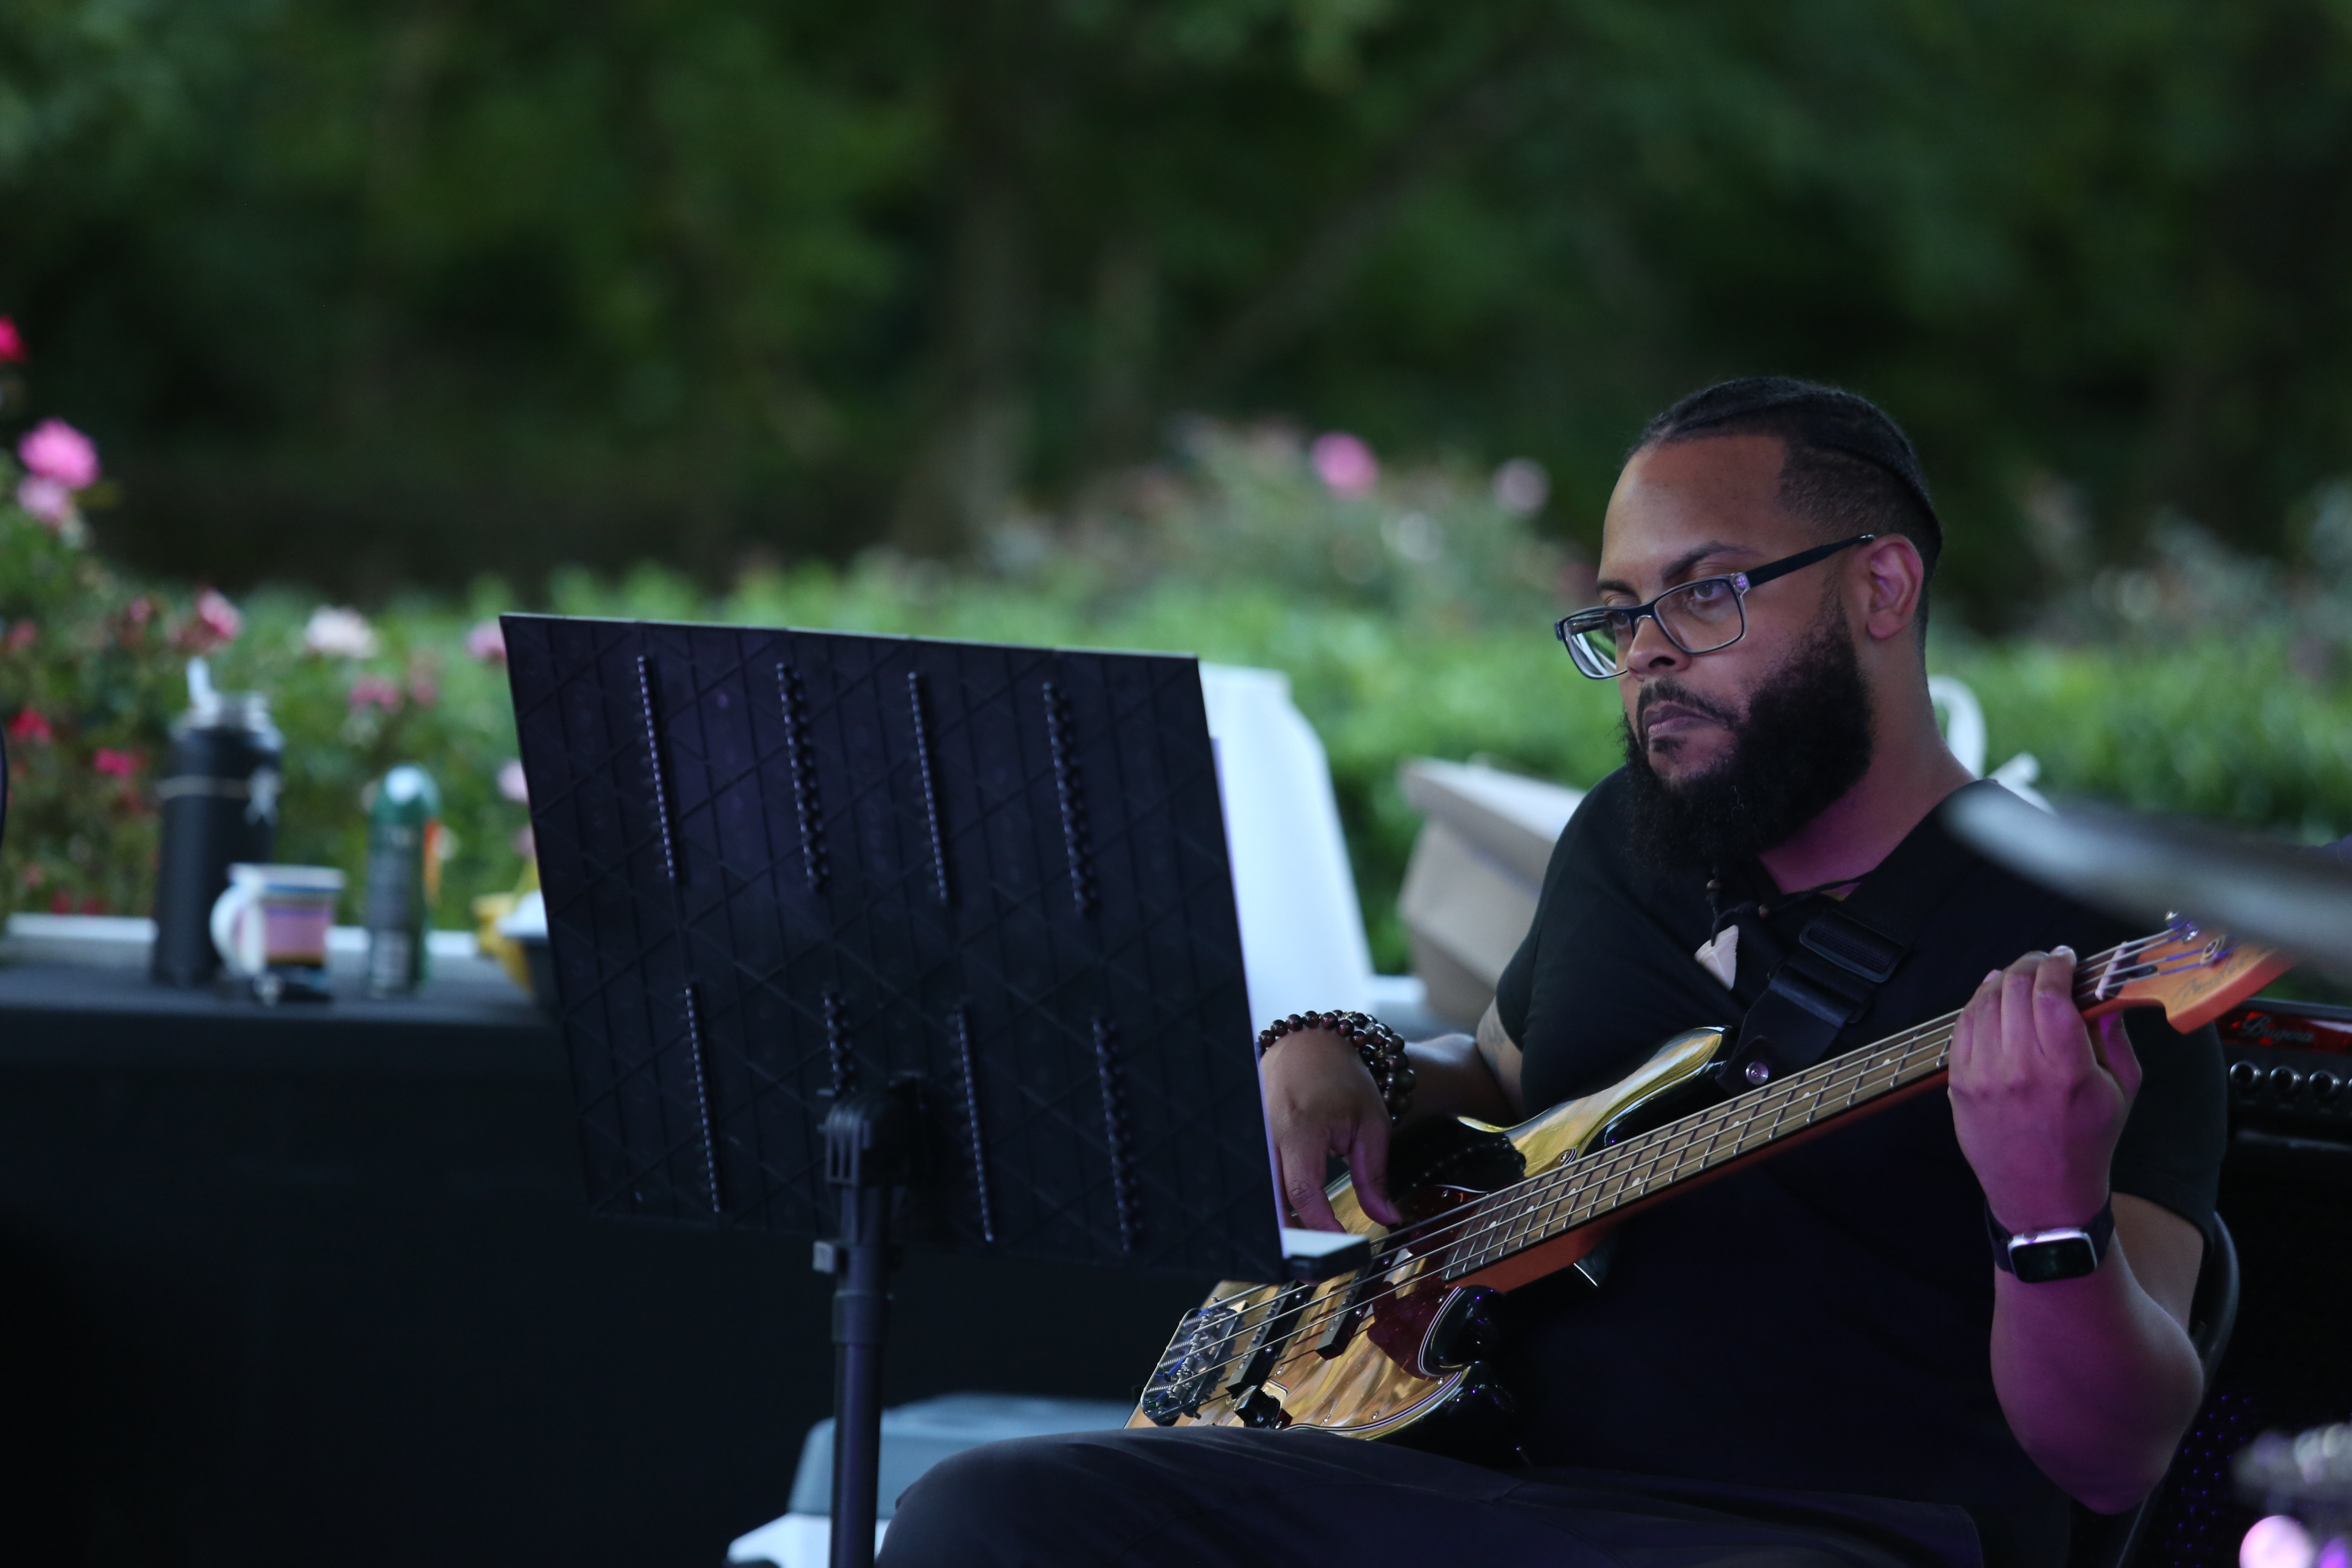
(1677, 567)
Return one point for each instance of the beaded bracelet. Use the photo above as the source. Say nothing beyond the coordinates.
(1381, 1049)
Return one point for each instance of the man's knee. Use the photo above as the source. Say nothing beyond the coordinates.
(986, 1504)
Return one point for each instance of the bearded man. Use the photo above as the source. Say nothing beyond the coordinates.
(1823, 1358)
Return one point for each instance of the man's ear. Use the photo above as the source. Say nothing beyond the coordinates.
(1892, 577)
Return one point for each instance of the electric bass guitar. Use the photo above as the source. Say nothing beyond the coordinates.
(1393, 1349)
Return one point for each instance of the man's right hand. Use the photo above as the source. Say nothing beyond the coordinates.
(1321, 1101)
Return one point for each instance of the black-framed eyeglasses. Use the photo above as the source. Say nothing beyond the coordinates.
(1698, 616)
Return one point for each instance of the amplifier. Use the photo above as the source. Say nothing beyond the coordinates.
(2290, 1065)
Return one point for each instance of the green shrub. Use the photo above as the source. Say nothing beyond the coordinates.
(1429, 638)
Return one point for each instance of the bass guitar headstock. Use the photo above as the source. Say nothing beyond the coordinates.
(2195, 975)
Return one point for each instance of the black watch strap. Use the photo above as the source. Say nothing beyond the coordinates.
(2039, 1257)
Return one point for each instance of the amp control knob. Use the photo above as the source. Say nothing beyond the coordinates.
(2245, 1076)
(2284, 1081)
(2324, 1085)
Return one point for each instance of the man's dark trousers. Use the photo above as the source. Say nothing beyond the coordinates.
(1224, 1498)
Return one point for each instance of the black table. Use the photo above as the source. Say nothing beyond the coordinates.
(315, 1285)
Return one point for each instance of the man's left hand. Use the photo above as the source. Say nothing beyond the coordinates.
(2037, 1101)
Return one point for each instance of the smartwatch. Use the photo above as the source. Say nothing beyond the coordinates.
(2038, 1256)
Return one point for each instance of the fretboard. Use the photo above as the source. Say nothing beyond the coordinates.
(1648, 1165)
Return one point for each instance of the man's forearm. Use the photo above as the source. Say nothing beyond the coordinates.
(2096, 1379)
(1452, 1078)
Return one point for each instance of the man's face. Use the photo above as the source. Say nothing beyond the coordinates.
(1699, 509)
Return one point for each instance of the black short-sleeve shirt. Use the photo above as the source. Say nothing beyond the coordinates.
(1821, 1320)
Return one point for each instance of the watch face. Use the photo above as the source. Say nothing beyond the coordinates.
(2061, 1258)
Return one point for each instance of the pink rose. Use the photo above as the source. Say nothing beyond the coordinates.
(12, 342)
(45, 498)
(487, 641)
(54, 449)
(210, 626)
(512, 785)
(28, 725)
(374, 692)
(114, 763)
(217, 619)
(423, 690)
(1345, 464)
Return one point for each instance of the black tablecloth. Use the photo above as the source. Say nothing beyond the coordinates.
(316, 1285)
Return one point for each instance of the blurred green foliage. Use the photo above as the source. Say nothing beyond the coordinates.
(368, 293)
(1252, 562)
(1412, 620)
(419, 696)
(88, 663)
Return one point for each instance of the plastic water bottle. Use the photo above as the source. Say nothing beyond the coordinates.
(404, 874)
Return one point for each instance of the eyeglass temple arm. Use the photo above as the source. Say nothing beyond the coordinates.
(1562, 628)
(1803, 559)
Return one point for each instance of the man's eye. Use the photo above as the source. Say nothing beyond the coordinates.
(1707, 591)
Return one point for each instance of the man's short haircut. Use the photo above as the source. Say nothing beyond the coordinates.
(1849, 469)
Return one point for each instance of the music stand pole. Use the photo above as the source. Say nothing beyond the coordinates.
(866, 1138)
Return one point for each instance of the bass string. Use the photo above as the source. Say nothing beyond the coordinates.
(1903, 1059)
(1335, 1302)
(1454, 1266)
(2086, 989)
(2096, 972)
(1678, 1153)
(1675, 1141)
(1606, 1180)
(1705, 1146)
(1844, 1073)
(1775, 1101)
(1689, 1152)
(1777, 1098)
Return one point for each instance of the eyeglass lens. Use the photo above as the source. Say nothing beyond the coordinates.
(1698, 617)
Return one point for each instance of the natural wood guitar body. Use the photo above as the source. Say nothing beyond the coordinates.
(1386, 1378)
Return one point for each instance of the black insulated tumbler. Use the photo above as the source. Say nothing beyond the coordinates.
(219, 807)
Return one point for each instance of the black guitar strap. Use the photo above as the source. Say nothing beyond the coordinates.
(1843, 955)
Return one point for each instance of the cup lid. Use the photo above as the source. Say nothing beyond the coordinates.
(315, 878)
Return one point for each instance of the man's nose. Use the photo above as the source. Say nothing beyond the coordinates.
(1652, 652)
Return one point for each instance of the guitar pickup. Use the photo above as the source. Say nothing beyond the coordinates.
(1281, 1323)
(1349, 1316)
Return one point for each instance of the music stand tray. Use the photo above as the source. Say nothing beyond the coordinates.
(833, 915)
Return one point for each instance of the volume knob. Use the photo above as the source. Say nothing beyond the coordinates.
(2284, 1081)
(2324, 1086)
(2245, 1076)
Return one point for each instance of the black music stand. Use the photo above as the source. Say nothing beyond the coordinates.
(856, 935)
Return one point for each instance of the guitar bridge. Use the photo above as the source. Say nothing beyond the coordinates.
(1189, 1371)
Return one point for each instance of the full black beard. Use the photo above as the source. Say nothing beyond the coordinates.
(1804, 741)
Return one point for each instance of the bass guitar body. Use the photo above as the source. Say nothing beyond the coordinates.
(1396, 1350)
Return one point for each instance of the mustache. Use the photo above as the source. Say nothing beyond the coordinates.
(1669, 689)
